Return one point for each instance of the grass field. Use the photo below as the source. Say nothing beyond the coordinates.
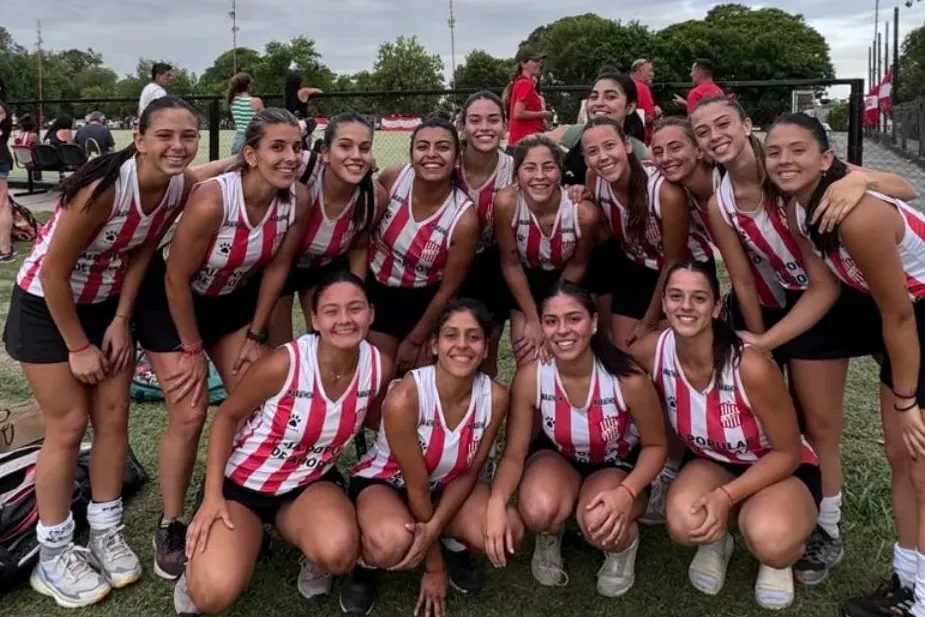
(661, 586)
(389, 148)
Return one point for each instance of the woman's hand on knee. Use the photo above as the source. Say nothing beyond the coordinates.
(424, 537)
(497, 533)
(715, 507)
(197, 535)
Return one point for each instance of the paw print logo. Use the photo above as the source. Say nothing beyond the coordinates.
(110, 236)
(423, 445)
(672, 402)
(550, 423)
(224, 248)
(294, 421)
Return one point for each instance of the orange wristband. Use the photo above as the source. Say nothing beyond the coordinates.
(728, 496)
(628, 490)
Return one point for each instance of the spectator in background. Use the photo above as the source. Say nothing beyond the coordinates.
(295, 99)
(96, 134)
(526, 109)
(28, 132)
(643, 73)
(244, 105)
(704, 86)
(7, 254)
(160, 78)
(60, 131)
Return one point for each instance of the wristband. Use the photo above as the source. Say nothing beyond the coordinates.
(191, 350)
(912, 406)
(117, 315)
(903, 395)
(80, 349)
(631, 492)
(728, 496)
(257, 337)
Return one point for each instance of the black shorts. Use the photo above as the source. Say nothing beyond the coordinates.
(398, 309)
(31, 335)
(485, 283)
(542, 442)
(632, 287)
(216, 316)
(303, 279)
(805, 473)
(603, 269)
(358, 485)
(886, 367)
(539, 282)
(266, 507)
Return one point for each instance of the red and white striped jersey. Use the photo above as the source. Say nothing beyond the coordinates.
(774, 255)
(651, 253)
(701, 228)
(239, 249)
(407, 253)
(326, 238)
(719, 422)
(601, 430)
(539, 251)
(100, 268)
(484, 197)
(447, 453)
(295, 437)
(911, 251)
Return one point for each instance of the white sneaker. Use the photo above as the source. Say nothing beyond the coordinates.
(312, 581)
(70, 578)
(547, 565)
(618, 573)
(707, 571)
(182, 603)
(113, 557)
(655, 508)
(774, 587)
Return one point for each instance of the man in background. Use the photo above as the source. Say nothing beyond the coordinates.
(643, 73)
(95, 132)
(160, 78)
(704, 86)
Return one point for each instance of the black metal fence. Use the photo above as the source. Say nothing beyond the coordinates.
(764, 100)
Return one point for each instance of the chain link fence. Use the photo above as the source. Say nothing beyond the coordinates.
(898, 144)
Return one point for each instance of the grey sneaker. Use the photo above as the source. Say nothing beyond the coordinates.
(312, 581)
(70, 579)
(823, 552)
(182, 603)
(655, 508)
(113, 557)
(547, 565)
(618, 573)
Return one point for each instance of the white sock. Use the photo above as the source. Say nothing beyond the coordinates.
(918, 608)
(57, 536)
(670, 470)
(830, 514)
(453, 545)
(905, 564)
(104, 515)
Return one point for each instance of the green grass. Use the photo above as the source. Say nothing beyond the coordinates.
(661, 575)
(389, 148)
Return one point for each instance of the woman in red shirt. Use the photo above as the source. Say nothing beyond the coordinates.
(525, 107)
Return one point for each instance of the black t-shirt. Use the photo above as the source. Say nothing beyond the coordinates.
(6, 128)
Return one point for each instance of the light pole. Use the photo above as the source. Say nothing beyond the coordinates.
(38, 55)
(452, 23)
(234, 36)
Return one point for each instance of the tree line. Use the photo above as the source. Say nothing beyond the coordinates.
(743, 43)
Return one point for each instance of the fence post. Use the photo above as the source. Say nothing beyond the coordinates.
(856, 122)
(215, 117)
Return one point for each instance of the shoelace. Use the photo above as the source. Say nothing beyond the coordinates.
(176, 537)
(115, 543)
(74, 562)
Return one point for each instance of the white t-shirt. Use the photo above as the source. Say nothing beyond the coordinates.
(152, 91)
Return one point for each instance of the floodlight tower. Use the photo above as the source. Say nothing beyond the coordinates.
(452, 23)
(233, 14)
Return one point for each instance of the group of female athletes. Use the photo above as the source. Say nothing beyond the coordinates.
(640, 394)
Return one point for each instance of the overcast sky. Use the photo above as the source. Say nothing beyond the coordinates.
(347, 32)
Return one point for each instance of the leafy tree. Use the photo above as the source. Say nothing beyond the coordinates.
(482, 70)
(214, 80)
(912, 65)
(406, 65)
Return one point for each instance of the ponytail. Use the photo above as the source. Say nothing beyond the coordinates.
(727, 346)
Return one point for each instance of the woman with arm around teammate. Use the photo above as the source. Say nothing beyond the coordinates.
(603, 442)
(542, 236)
(744, 453)
(237, 235)
(422, 247)
(420, 480)
(345, 202)
(484, 171)
(878, 249)
(69, 325)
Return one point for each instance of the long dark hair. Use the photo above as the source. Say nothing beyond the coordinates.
(439, 122)
(333, 278)
(525, 145)
(827, 242)
(254, 135)
(291, 95)
(462, 305)
(638, 206)
(365, 210)
(727, 346)
(614, 360)
(106, 168)
(241, 82)
(633, 125)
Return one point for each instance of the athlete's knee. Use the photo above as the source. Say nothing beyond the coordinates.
(187, 419)
(385, 544)
(112, 418)
(67, 429)
(336, 551)
(770, 538)
(540, 508)
(680, 521)
(211, 589)
(898, 456)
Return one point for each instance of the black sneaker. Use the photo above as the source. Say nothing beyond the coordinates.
(890, 600)
(464, 576)
(823, 552)
(170, 550)
(358, 592)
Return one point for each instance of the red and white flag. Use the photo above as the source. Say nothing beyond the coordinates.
(885, 93)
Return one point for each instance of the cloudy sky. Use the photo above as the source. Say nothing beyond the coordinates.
(347, 32)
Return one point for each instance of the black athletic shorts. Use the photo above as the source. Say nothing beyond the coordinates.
(358, 485)
(886, 367)
(303, 279)
(31, 335)
(603, 269)
(216, 316)
(485, 283)
(539, 282)
(542, 442)
(398, 309)
(806, 473)
(266, 507)
(632, 287)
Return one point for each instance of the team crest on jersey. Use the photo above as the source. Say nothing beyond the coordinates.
(430, 252)
(729, 415)
(852, 271)
(473, 448)
(653, 231)
(610, 429)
